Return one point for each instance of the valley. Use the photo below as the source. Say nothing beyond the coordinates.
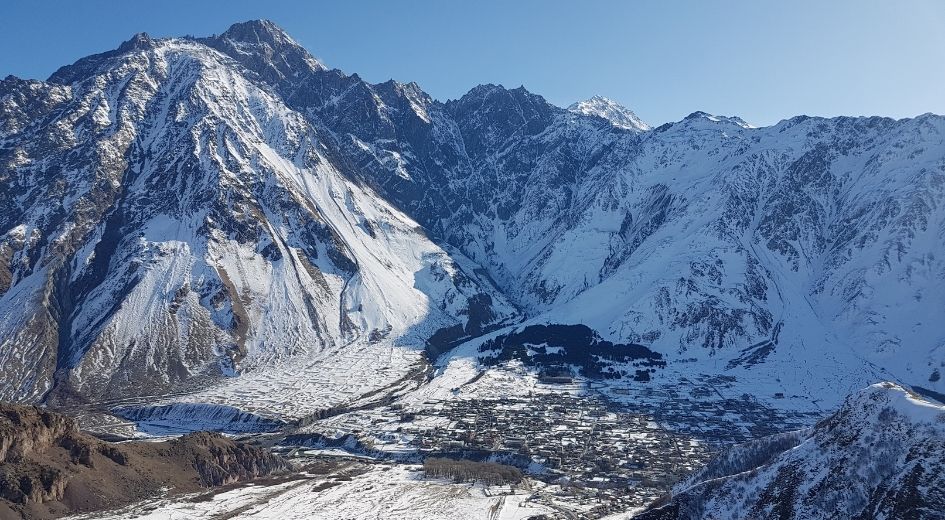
(589, 448)
(224, 234)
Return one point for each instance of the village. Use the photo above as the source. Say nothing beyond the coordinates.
(595, 454)
(587, 448)
(712, 409)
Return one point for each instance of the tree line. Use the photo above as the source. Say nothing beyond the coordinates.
(490, 473)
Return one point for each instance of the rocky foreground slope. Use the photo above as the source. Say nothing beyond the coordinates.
(48, 468)
(880, 456)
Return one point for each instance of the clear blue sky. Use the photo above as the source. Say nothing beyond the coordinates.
(762, 60)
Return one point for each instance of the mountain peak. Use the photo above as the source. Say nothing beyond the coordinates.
(262, 46)
(618, 115)
(83, 67)
(141, 40)
(484, 91)
(258, 31)
(700, 115)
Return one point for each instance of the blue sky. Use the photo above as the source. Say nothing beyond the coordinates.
(762, 60)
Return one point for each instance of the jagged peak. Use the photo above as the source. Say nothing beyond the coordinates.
(485, 91)
(265, 48)
(700, 115)
(139, 41)
(410, 88)
(392, 90)
(606, 108)
(258, 31)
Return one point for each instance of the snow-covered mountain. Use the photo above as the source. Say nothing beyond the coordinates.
(176, 211)
(618, 115)
(801, 251)
(168, 221)
(879, 456)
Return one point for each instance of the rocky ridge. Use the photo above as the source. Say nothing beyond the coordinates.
(48, 468)
(879, 456)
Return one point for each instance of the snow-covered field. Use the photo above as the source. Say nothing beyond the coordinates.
(305, 385)
(285, 392)
(383, 492)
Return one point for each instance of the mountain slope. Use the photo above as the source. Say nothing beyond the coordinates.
(811, 246)
(878, 456)
(230, 202)
(202, 230)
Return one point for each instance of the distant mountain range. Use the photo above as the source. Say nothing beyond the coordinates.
(180, 211)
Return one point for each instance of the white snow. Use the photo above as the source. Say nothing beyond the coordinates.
(618, 115)
(383, 492)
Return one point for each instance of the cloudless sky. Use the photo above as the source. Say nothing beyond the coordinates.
(763, 60)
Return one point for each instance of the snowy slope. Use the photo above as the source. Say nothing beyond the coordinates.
(170, 222)
(618, 115)
(178, 211)
(803, 250)
(878, 456)
(380, 492)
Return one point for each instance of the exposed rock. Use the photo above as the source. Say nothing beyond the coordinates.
(48, 468)
(27, 430)
(218, 460)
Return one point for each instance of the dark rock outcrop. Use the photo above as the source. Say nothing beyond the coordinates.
(48, 468)
(219, 460)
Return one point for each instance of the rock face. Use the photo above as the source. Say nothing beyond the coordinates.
(218, 460)
(49, 468)
(177, 211)
(27, 430)
(881, 455)
(27, 434)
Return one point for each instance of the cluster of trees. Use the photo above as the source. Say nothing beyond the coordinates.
(571, 345)
(748, 456)
(490, 473)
